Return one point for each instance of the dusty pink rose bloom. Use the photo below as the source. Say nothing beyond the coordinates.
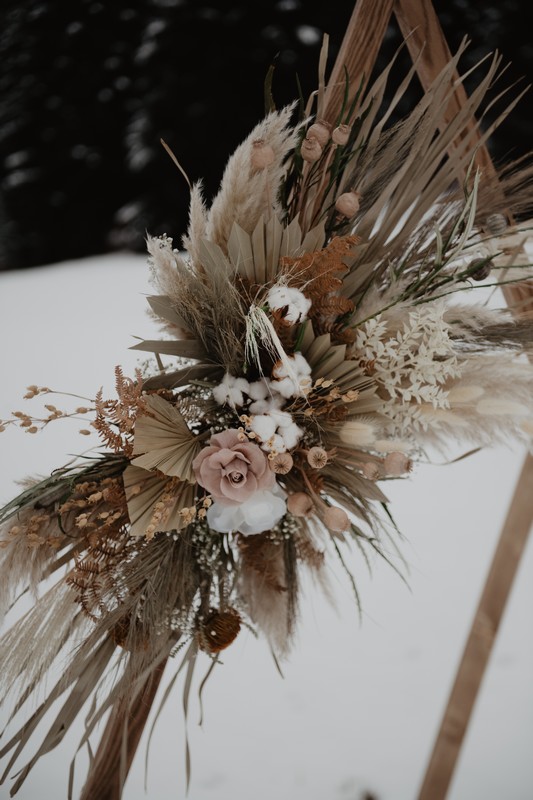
(231, 470)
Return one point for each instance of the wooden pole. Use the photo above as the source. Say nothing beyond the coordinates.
(418, 20)
(358, 52)
(481, 638)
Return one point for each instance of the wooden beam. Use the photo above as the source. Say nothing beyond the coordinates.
(420, 26)
(480, 641)
(358, 52)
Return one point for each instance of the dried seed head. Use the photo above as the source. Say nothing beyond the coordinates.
(336, 519)
(371, 471)
(397, 464)
(317, 457)
(281, 463)
(262, 155)
(481, 268)
(496, 224)
(300, 504)
(310, 149)
(321, 130)
(341, 134)
(348, 204)
(219, 630)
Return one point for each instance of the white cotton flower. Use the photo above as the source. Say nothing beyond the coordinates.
(259, 513)
(258, 390)
(291, 435)
(294, 381)
(293, 301)
(282, 418)
(230, 391)
(271, 404)
(263, 426)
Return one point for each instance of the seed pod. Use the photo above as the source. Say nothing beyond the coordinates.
(341, 134)
(347, 204)
(219, 630)
(262, 155)
(317, 457)
(496, 224)
(371, 471)
(482, 268)
(397, 464)
(321, 130)
(300, 504)
(310, 149)
(336, 519)
(281, 464)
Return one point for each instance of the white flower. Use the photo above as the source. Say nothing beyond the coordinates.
(264, 426)
(258, 390)
(271, 404)
(291, 435)
(293, 382)
(259, 513)
(231, 390)
(294, 302)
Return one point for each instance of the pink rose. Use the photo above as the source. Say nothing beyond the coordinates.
(232, 470)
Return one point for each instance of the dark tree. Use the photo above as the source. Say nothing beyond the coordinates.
(88, 90)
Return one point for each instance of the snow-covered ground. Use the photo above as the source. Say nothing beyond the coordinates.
(359, 704)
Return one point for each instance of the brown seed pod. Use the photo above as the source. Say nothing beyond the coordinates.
(281, 464)
(496, 224)
(397, 464)
(300, 504)
(219, 630)
(348, 204)
(371, 471)
(341, 134)
(482, 269)
(317, 457)
(311, 149)
(336, 519)
(321, 130)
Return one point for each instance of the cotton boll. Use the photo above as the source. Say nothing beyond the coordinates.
(268, 406)
(282, 418)
(230, 391)
(285, 387)
(294, 303)
(258, 390)
(291, 435)
(263, 426)
(275, 444)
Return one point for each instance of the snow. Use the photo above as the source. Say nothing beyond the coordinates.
(359, 704)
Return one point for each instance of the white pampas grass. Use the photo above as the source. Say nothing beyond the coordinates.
(245, 194)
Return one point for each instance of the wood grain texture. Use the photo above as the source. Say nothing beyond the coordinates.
(420, 25)
(358, 52)
(481, 638)
(107, 776)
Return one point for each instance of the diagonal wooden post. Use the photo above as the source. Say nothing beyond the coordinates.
(418, 20)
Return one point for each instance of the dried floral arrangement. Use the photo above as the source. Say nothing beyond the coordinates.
(317, 338)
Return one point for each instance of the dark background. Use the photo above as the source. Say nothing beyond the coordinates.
(88, 88)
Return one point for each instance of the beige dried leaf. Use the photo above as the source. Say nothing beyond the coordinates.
(163, 441)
